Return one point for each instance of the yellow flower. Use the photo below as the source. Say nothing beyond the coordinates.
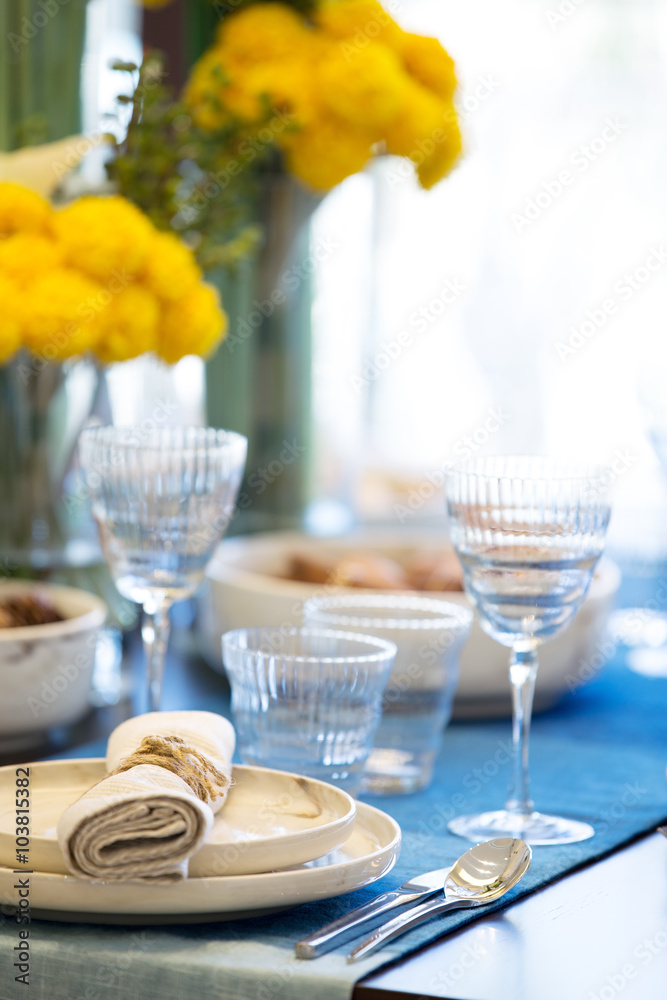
(62, 320)
(171, 269)
(274, 87)
(438, 163)
(221, 91)
(22, 210)
(129, 324)
(26, 255)
(105, 238)
(359, 21)
(11, 318)
(242, 98)
(325, 153)
(345, 79)
(263, 32)
(204, 90)
(191, 325)
(416, 124)
(430, 64)
(367, 90)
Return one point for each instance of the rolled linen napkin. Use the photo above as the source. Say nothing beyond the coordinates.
(169, 773)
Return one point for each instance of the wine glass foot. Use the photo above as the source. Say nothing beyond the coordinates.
(535, 828)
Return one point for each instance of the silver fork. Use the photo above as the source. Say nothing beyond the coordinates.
(415, 890)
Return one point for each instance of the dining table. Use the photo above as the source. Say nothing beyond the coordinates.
(588, 921)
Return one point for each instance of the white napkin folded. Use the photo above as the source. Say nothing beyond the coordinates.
(145, 822)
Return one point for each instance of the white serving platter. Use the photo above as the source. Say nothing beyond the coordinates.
(271, 819)
(246, 586)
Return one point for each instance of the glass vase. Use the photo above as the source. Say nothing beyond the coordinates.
(259, 381)
(42, 409)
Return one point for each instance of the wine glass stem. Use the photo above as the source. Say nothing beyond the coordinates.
(155, 633)
(523, 671)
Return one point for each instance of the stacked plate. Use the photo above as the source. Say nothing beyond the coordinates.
(281, 839)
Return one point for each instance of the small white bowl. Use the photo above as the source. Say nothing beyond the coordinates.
(244, 589)
(46, 670)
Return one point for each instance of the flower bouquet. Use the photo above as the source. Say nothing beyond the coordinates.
(92, 282)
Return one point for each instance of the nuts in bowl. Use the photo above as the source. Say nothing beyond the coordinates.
(48, 639)
(31, 608)
(423, 570)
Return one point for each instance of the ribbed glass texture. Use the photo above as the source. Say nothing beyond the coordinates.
(418, 699)
(162, 499)
(307, 700)
(529, 532)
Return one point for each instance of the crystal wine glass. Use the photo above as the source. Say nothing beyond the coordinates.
(528, 532)
(162, 499)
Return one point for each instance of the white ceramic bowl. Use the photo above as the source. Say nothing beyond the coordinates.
(244, 588)
(46, 670)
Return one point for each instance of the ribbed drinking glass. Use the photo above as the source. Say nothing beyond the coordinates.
(162, 499)
(307, 700)
(529, 532)
(417, 702)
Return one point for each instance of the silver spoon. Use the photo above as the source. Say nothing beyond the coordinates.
(482, 874)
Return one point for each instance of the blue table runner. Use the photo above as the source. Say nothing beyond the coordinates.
(599, 756)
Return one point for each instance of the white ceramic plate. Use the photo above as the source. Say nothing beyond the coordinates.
(369, 853)
(271, 819)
